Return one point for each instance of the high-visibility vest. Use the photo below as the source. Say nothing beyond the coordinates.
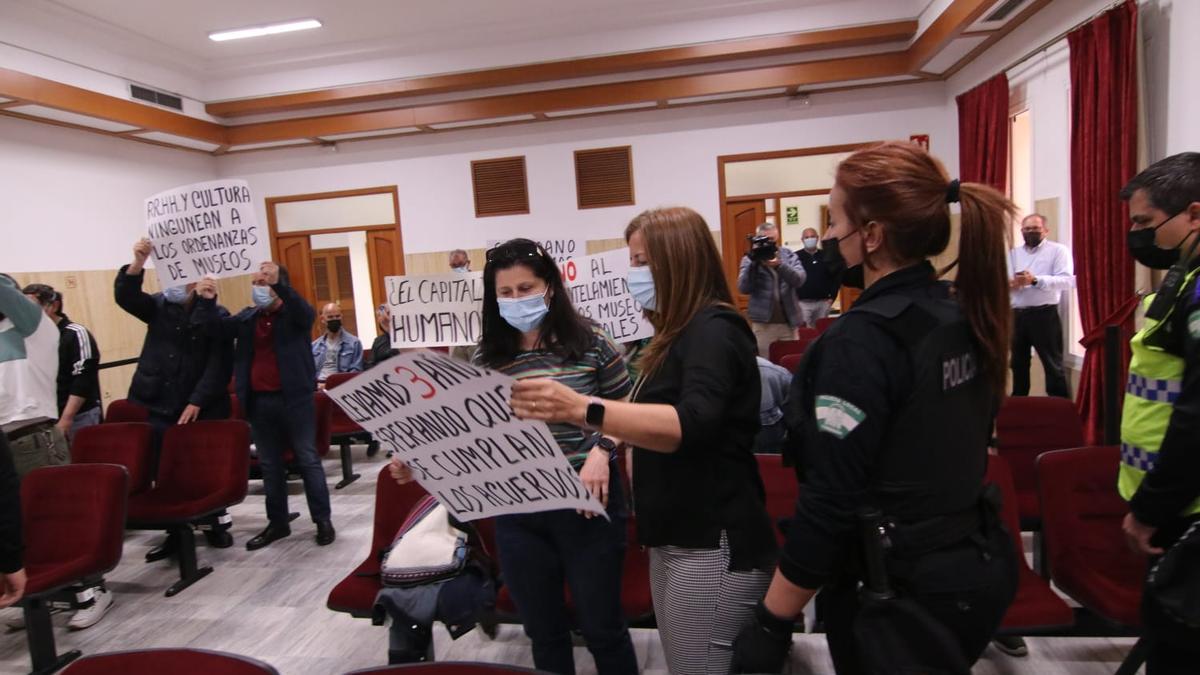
(1155, 382)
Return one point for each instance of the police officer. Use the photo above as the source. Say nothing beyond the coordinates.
(891, 412)
(1160, 468)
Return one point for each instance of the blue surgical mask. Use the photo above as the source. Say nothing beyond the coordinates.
(641, 286)
(810, 243)
(525, 313)
(176, 295)
(462, 269)
(261, 296)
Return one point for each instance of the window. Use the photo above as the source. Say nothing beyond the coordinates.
(500, 186)
(604, 177)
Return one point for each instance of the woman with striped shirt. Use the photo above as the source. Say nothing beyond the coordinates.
(531, 330)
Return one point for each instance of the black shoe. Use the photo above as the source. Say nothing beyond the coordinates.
(325, 533)
(1013, 645)
(219, 537)
(372, 448)
(270, 534)
(164, 550)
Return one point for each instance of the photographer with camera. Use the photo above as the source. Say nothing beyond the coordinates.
(770, 275)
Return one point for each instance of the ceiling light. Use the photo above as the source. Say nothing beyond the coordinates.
(259, 31)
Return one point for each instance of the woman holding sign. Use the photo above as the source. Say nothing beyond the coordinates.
(531, 330)
(699, 497)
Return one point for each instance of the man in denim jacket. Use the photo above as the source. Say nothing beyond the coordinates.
(337, 351)
(774, 311)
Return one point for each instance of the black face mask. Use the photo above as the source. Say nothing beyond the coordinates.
(1144, 250)
(831, 254)
(1032, 239)
(334, 325)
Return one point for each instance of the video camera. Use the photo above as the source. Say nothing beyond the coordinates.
(762, 248)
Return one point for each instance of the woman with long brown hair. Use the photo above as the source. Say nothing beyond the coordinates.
(891, 412)
(692, 423)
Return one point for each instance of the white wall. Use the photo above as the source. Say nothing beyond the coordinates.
(72, 200)
(1169, 29)
(674, 155)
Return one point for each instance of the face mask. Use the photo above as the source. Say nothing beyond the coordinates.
(1032, 239)
(852, 277)
(1144, 250)
(641, 287)
(810, 243)
(462, 269)
(333, 325)
(525, 313)
(261, 295)
(176, 295)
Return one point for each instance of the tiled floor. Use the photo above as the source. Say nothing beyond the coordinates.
(270, 605)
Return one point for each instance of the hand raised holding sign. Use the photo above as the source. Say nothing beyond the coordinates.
(207, 288)
(268, 272)
(400, 471)
(548, 401)
(141, 252)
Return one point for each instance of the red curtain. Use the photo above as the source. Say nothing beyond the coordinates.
(1103, 158)
(983, 134)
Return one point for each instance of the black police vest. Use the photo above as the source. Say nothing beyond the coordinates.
(934, 449)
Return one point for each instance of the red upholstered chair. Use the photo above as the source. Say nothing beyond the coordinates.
(1037, 608)
(124, 410)
(1082, 514)
(202, 471)
(355, 594)
(790, 362)
(174, 661)
(345, 431)
(448, 668)
(781, 348)
(127, 444)
(806, 333)
(825, 323)
(1026, 427)
(782, 491)
(74, 525)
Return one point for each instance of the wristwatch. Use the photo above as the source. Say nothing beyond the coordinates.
(594, 417)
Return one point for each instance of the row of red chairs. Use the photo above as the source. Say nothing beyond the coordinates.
(205, 662)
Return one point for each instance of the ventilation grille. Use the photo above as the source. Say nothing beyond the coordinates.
(1004, 10)
(500, 187)
(156, 97)
(604, 177)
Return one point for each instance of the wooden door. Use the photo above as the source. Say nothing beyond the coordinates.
(333, 281)
(295, 253)
(385, 255)
(741, 220)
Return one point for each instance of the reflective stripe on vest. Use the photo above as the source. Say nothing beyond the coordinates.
(1155, 382)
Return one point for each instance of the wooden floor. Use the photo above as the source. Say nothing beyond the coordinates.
(270, 604)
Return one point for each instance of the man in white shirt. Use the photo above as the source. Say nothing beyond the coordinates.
(1042, 271)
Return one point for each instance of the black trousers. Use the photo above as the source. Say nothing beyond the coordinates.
(966, 588)
(1173, 648)
(1040, 329)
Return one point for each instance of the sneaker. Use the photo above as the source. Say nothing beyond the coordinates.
(1013, 645)
(90, 616)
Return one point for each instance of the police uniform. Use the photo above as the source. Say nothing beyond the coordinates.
(893, 412)
(1160, 457)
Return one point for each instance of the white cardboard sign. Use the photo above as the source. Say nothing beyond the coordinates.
(205, 229)
(451, 423)
(435, 310)
(600, 291)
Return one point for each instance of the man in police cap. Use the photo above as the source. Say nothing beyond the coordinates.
(1160, 424)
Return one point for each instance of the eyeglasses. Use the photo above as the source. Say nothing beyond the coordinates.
(514, 251)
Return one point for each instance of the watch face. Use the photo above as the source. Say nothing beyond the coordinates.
(595, 414)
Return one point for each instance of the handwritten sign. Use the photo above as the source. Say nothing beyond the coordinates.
(436, 310)
(205, 229)
(452, 424)
(600, 291)
(559, 249)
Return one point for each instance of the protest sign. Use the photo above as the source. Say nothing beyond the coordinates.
(452, 424)
(561, 249)
(436, 310)
(205, 229)
(599, 290)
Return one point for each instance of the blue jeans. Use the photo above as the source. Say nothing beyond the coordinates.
(539, 552)
(277, 427)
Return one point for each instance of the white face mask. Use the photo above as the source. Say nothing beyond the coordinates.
(810, 243)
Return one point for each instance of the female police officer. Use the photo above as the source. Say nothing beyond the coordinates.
(893, 409)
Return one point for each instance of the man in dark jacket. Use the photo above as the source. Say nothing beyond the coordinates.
(182, 373)
(12, 574)
(78, 364)
(276, 379)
